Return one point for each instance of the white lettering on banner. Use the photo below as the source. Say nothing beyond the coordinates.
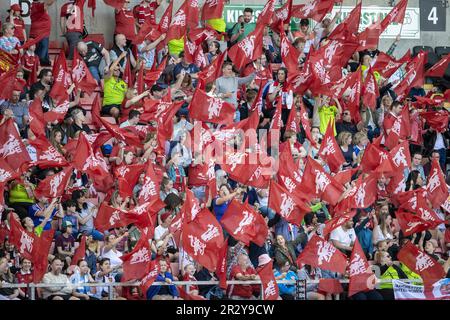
(123, 171)
(148, 189)
(406, 291)
(288, 183)
(162, 107)
(4, 175)
(400, 158)
(325, 251)
(426, 214)
(287, 205)
(400, 187)
(78, 71)
(114, 217)
(329, 147)
(55, 182)
(322, 181)
(11, 147)
(357, 266)
(141, 209)
(370, 88)
(234, 159)
(383, 156)
(212, 3)
(179, 19)
(211, 233)
(193, 3)
(411, 225)
(270, 289)
(247, 45)
(26, 242)
(411, 77)
(247, 220)
(197, 245)
(284, 47)
(423, 262)
(330, 50)
(369, 14)
(194, 210)
(214, 107)
(256, 175)
(282, 14)
(165, 23)
(191, 47)
(413, 202)
(434, 181)
(140, 256)
(361, 195)
(322, 73)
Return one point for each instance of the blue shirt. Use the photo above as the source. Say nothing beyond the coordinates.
(192, 68)
(32, 210)
(286, 288)
(219, 210)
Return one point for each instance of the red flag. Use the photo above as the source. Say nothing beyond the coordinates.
(282, 16)
(109, 217)
(322, 254)
(318, 182)
(212, 9)
(370, 91)
(330, 285)
(265, 17)
(62, 81)
(40, 254)
(191, 207)
(269, 284)
(130, 172)
(248, 49)
(293, 121)
(179, 23)
(361, 275)
(363, 194)
(421, 263)
(189, 51)
(117, 4)
(121, 134)
(330, 151)
(136, 264)
(125, 188)
(37, 123)
(337, 221)
(397, 14)
(291, 207)
(200, 59)
(6, 172)
(289, 54)
(438, 120)
(127, 74)
(47, 155)
(166, 19)
(146, 282)
(221, 270)
(386, 65)
(401, 157)
(24, 241)
(150, 188)
(140, 81)
(12, 148)
(187, 296)
(7, 61)
(210, 109)
(54, 186)
(436, 187)
(93, 5)
(240, 221)
(80, 252)
(373, 157)
(349, 26)
(414, 76)
(7, 82)
(202, 238)
(32, 78)
(192, 14)
(438, 70)
(369, 38)
(314, 9)
(412, 223)
(301, 80)
(81, 75)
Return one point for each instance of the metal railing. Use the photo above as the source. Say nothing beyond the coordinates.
(31, 287)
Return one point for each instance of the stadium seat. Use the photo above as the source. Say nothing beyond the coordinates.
(417, 49)
(97, 37)
(432, 59)
(442, 51)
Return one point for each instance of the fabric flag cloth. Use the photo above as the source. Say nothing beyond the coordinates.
(24, 241)
(136, 263)
(7, 61)
(62, 79)
(202, 238)
(282, 16)
(47, 155)
(128, 75)
(210, 109)
(81, 75)
(330, 151)
(317, 182)
(80, 252)
(289, 54)
(436, 187)
(337, 221)
(178, 25)
(212, 9)
(396, 15)
(330, 285)
(322, 254)
(401, 157)
(187, 296)
(221, 270)
(109, 217)
(265, 17)
(411, 223)
(314, 9)
(6, 172)
(248, 49)
(36, 115)
(387, 65)
(438, 70)
(349, 26)
(370, 91)
(40, 255)
(166, 19)
(362, 277)
(117, 4)
(421, 263)
(12, 148)
(438, 120)
(243, 223)
(7, 83)
(288, 205)
(269, 284)
(146, 282)
(121, 134)
(191, 207)
(414, 76)
(54, 186)
(150, 188)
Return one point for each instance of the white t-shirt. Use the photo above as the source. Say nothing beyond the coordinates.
(382, 237)
(159, 231)
(439, 144)
(114, 257)
(346, 237)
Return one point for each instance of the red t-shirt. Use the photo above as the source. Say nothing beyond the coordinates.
(147, 13)
(125, 23)
(389, 121)
(188, 277)
(40, 20)
(24, 278)
(73, 11)
(242, 290)
(19, 25)
(28, 61)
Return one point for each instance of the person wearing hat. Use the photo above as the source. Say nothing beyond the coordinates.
(15, 17)
(8, 42)
(147, 51)
(65, 243)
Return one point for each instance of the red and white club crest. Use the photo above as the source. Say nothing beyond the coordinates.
(179, 19)
(248, 45)
(324, 251)
(247, 220)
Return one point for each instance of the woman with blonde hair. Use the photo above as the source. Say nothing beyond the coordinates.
(344, 139)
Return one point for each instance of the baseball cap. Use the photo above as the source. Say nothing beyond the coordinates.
(15, 7)
(66, 224)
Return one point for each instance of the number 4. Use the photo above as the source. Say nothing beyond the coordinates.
(433, 15)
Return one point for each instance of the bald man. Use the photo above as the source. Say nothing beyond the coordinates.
(120, 45)
(93, 54)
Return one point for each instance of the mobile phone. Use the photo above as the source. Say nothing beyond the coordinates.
(242, 25)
